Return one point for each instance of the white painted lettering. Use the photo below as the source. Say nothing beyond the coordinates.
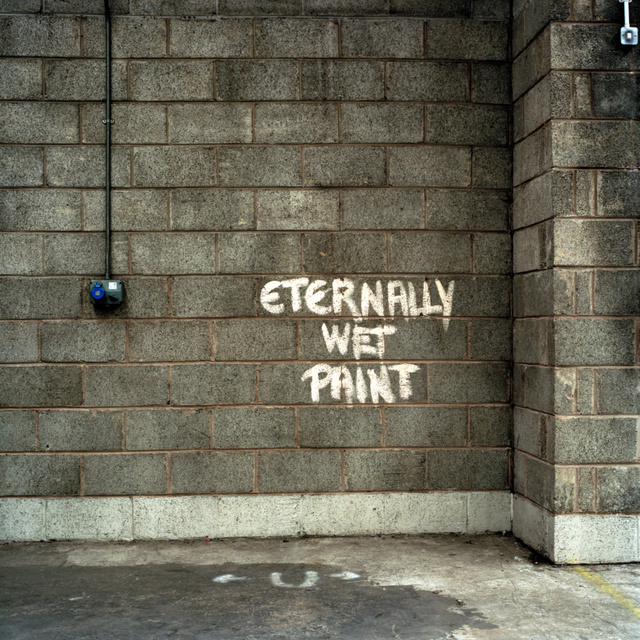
(313, 295)
(447, 300)
(394, 298)
(362, 341)
(404, 374)
(380, 385)
(343, 289)
(295, 285)
(269, 297)
(369, 299)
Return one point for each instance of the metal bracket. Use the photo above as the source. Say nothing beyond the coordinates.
(628, 34)
(109, 121)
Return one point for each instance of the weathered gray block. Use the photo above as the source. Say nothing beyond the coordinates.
(586, 489)
(18, 342)
(545, 293)
(475, 40)
(174, 7)
(40, 210)
(426, 339)
(259, 7)
(84, 80)
(80, 253)
(133, 123)
(362, 122)
(490, 83)
(618, 194)
(296, 123)
(547, 389)
(171, 80)
(618, 391)
(425, 426)
(259, 253)
(211, 38)
(39, 474)
(83, 341)
(345, 166)
(549, 195)
(212, 297)
(490, 339)
(359, 252)
(17, 431)
(526, 427)
(260, 166)
(39, 36)
(387, 38)
(322, 427)
(87, 6)
(318, 253)
(617, 292)
(125, 474)
(437, 9)
(430, 252)
(283, 384)
(131, 210)
(21, 79)
(174, 166)
(471, 470)
(423, 166)
(468, 383)
(80, 430)
(533, 155)
(255, 339)
(212, 209)
(168, 429)
(458, 209)
(467, 124)
(254, 428)
(298, 471)
(490, 426)
(530, 341)
(383, 209)
(384, 470)
(345, 7)
(145, 298)
(602, 10)
(281, 38)
(21, 167)
(173, 253)
(532, 64)
(492, 253)
(295, 210)
(492, 168)
(40, 298)
(342, 80)
(21, 6)
(209, 123)
(169, 341)
(213, 384)
(20, 254)
(427, 81)
(125, 386)
(479, 296)
(256, 80)
(83, 166)
(40, 386)
(130, 37)
(212, 472)
(594, 440)
(619, 489)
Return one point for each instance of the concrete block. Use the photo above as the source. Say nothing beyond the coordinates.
(89, 519)
(490, 339)
(173, 253)
(22, 79)
(363, 122)
(174, 7)
(492, 253)
(618, 489)
(526, 426)
(426, 339)
(532, 524)
(545, 293)
(31, 298)
(385, 38)
(429, 166)
(21, 254)
(532, 156)
(22, 520)
(259, 253)
(465, 210)
(40, 210)
(255, 339)
(468, 383)
(38, 386)
(618, 194)
(295, 471)
(539, 482)
(549, 390)
(260, 166)
(411, 252)
(257, 80)
(86, 6)
(346, 8)
(40, 36)
(131, 210)
(492, 168)
(549, 195)
(471, 469)
(83, 166)
(345, 166)
(169, 341)
(84, 80)
(481, 296)
(294, 210)
(39, 475)
(83, 341)
(82, 253)
(211, 38)
(212, 472)
(438, 9)
(126, 386)
(383, 209)
(259, 7)
(475, 40)
(359, 252)
(174, 166)
(134, 123)
(490, 83)
(384, 470)
(489, 512)
(322, 427)
(212, 297)
(125, 474)
(131, 37)
(211, 209)
(282, 384)
(582, 95)
(602, 10)
(490, 426)
(296, 123)
(282, 38)
(145, 298)
(618, 391)
(168, 429)
(532, 64)
(318, 253)
(21, 167)
(549, 98)
(342, 80)
(254, 428)
(171, 80)
(17, 431)
(213, 384)
(529, 341)
(209, 123)
(80, 430)
(21, 6)
(427, 81)
(467, 124)
(586, 391)
(586, 489)
(425, 426)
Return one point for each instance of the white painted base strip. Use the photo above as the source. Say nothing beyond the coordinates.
(260, 516)
(577, 539)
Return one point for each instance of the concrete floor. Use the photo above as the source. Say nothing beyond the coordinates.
(431, 587)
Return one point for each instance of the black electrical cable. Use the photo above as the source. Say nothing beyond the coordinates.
(107, 122)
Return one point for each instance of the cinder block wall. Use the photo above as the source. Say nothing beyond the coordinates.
(271, 161)
(576, 282)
